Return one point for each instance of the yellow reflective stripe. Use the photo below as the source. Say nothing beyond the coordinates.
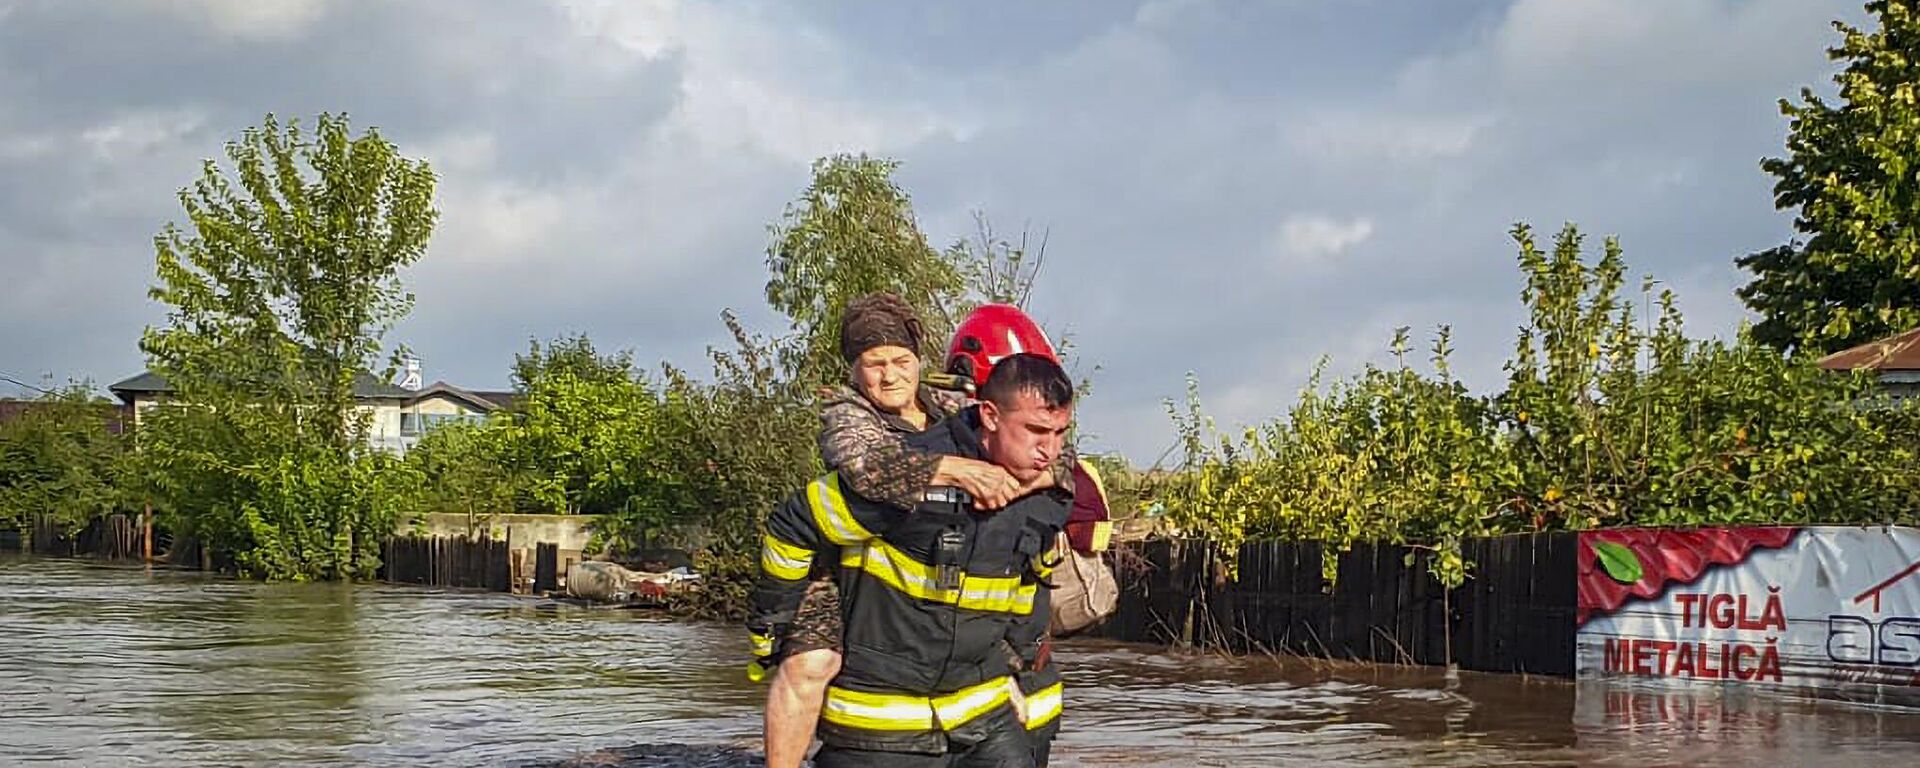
(1043, 706)
(1093, 473)
(1102, 535)
(785, 561)
(877, 712)
(956, 709)
(897, 569)
(830, 512)
(762, 644)
(897, 712)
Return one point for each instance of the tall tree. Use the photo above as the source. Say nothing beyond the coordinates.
(1853, 176)
(288, 278)
(853, 232)
(279, 293)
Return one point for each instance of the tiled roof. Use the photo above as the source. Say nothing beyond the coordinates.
(1894, 353)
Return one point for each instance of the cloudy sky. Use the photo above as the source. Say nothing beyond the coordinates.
(1232, 189)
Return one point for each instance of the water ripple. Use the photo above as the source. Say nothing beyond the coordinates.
(122, 666)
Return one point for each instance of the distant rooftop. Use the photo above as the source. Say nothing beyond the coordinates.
(365, 386)
(1894, 353)
(481, 400)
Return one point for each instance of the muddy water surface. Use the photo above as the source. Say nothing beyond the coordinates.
(103, 665)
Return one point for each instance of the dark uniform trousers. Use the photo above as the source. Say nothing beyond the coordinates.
(1004, 743)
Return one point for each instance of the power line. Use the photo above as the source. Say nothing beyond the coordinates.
(4, 377)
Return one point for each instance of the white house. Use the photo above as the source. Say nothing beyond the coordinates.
(398, 416)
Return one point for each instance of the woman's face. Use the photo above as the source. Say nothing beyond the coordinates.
(889, 376)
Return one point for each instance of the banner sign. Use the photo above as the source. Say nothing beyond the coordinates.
(1825, 610)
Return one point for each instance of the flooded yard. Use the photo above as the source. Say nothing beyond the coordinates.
(111, 665)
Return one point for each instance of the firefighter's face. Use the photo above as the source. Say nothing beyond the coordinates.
(889, 376)
(1026, 437)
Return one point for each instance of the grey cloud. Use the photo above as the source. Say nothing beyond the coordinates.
(611, 171)
(1160, 180)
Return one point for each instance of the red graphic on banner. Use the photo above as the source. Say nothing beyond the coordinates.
(1882, 587)
(1619, 563)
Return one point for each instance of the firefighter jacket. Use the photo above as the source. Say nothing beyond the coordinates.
(932, 600)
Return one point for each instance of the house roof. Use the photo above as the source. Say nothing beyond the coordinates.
(503, 399)
(442, 389)
(147, 381)
(1894, 353)
(365, 387)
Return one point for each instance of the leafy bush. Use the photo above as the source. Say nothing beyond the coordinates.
(1610, 417)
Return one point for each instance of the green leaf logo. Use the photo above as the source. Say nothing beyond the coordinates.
(1618, 561)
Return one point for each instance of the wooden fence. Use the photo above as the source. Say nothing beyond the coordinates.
(113, 537)
(1514, 613)
(447, 562)
(546, 568)
(433, 561)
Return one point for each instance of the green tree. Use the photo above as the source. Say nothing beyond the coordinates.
(465, 470)
(737, 445)
(575, 356)
(288, 279)
(853, 232)
(60, 459)
(581, 433)
(279, 293)
(1852, 176)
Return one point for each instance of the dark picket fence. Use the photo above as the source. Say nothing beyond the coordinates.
(447, 562)
(431, 561)
(112, 537)
(1514, 613)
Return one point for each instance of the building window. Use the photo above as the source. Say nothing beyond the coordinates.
(423, 423)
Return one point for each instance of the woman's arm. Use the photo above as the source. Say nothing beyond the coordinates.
(872, 460)
(876, 463)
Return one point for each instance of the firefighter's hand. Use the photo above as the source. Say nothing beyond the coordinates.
(1039, 483)
(990, 486)
(1017, 699)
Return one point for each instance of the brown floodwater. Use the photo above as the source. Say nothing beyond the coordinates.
(110, 665)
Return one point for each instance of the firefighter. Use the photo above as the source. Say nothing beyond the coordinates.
(988, 335)
(932, 599)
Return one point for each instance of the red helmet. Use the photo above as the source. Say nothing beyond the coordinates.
(991, 333)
